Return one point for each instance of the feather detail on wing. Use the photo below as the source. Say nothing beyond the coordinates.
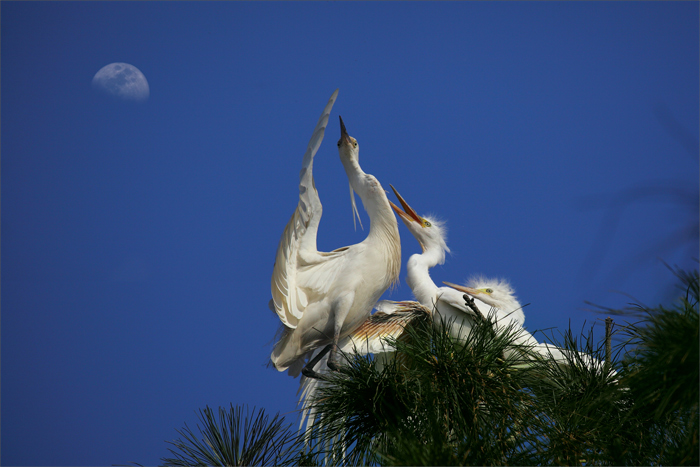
(299, 237)
(370, 337)
(390, 306)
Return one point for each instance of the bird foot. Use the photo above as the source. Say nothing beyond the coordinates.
(333, 365)
(309, 373)
(308, 370)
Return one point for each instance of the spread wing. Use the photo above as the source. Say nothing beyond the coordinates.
(297, 246)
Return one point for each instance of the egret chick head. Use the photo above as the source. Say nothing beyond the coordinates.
(497, 293)
(430, 232)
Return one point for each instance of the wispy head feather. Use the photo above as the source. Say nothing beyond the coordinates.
(440, 230)
(502, 296)
(479, 281)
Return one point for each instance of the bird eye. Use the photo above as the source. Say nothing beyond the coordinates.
(355, 144)
(489, 291)
(427, 224)
(338, 143)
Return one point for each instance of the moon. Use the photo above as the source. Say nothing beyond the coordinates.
(122, 81)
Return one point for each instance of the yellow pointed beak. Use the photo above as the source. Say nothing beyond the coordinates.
(462, 288)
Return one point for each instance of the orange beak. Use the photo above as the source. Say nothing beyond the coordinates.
(409, 215)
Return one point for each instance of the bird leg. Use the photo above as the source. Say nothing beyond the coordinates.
(308, 369)
(340, 311)
(331, 359)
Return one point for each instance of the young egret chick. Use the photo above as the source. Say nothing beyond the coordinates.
(322, 297)
(495, 297)
(448, 304)
(490, 295)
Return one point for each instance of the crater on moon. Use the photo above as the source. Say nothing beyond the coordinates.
(123, 81)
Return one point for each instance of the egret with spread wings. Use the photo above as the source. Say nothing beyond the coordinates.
(321, 297)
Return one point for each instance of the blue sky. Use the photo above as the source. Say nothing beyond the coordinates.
(558, 140)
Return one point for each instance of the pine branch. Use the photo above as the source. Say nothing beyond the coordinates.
(236, 438)
(482, 400)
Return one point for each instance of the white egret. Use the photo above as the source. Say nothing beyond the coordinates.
(447, 303)
(322, 297)
(494, 298)
(489, 294)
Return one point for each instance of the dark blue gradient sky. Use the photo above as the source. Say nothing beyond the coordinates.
(558, 140)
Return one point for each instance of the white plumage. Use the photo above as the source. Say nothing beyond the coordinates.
(489, 294)
(446, 303)
(493, 297)
(320, 297)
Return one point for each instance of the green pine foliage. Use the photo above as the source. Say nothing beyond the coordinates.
(236, 438)
(662, 374)
(441, 402)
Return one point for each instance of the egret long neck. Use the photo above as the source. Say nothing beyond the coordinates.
(418, 277)
(383, 230)
(373, 196)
